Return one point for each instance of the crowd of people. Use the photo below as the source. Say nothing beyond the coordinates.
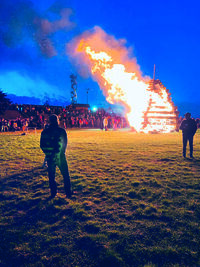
(33, 116)
(36, 117)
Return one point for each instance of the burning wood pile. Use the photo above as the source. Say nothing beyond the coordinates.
(161, 114)
(148, 104)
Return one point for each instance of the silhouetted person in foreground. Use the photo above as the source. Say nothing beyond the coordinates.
(188, 127)
(53, 143)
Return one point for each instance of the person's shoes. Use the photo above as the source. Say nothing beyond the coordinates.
(191, 157)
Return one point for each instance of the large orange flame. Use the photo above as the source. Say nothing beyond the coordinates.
(121, 80)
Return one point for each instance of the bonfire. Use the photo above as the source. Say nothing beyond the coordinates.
(148, 104)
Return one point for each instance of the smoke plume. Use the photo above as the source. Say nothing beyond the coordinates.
(21, 22)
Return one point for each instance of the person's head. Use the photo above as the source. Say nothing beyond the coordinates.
(53, 120)
(188, 116)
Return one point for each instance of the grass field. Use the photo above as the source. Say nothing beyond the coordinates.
(136, 202)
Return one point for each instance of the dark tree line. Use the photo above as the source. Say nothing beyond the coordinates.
(4, 100)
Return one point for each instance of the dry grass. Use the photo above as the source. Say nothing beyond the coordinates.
(136, 202)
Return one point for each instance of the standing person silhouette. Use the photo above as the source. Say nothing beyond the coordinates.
(105, 123)
(188, 127)
(53, 142)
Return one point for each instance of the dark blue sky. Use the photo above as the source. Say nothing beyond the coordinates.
(34, 34)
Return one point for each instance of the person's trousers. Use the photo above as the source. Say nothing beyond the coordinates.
(187, 138)
(60, 161)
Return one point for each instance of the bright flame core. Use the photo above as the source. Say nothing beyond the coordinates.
(148, 109)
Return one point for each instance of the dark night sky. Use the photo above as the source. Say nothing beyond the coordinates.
(34, 34)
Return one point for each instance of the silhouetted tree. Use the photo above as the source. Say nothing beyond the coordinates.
(4, 99)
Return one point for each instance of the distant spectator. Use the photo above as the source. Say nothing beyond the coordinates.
(188, 127)
(105, 123)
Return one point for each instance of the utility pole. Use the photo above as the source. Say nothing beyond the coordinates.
(154, 71)
(87, 91)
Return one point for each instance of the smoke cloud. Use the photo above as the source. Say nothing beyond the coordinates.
(32, 44)
(46, 28)
(21, 22)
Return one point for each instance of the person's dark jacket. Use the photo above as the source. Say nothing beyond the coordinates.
(53, 140)
(188, 127)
